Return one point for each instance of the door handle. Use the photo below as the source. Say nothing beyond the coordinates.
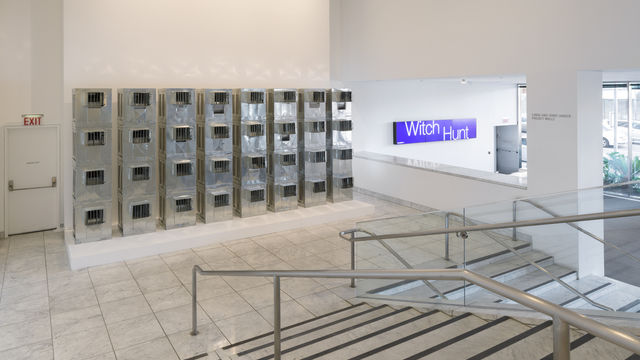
(10, 185)
(54, 181)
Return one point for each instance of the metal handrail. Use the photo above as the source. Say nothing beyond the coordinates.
(393, 253)
(545, 271)
(562, 317)
(507, 225)
(582, 230)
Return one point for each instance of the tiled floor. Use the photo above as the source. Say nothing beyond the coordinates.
(141, 309)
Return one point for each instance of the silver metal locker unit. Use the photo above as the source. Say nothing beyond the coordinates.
(137, 185)
(312, 169)
(249, 152)
(177, 157)
(92, 181)
(282, 149)
(339, 145)
(215, 154)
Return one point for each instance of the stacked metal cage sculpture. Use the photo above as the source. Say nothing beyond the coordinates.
(312, 175)
(282, 147)
(177, 157)
(339, 145)
(137, 190)
(92, 175)
(249, 152)
(215, 154)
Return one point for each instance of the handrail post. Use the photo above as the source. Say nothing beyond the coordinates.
(194, 304)
(276, 317)
(561, 347)
(353, 258)
(446, 237)
(513, 235)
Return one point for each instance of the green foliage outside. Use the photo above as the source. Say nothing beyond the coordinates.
(616, 169)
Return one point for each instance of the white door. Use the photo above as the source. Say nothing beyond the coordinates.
(31, 177)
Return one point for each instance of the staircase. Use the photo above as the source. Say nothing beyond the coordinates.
(514, 270)
(365, 331)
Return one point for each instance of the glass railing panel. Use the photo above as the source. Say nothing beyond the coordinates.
(418, 252)
(588, 265)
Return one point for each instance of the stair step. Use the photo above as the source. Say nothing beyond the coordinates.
(534, 281)
(633, 306)
(561, 295)
(512, 340)
(359, 345)
(473, 264)
(590, 347)
(408, 345)
(313, 323)
(296, 344)
(535, 346)
(500, 271)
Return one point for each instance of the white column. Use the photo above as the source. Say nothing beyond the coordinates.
(565, 154)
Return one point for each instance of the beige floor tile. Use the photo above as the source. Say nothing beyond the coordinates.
(243, 326)
(208, 340)
(134, 331)
(24, 293)
(115, 311)
(149, 266)
(291, 253)
(290, 311)
(117, 291)
(185, 259)
(168, 298)
(65, 282)
(243, 248)
(157, 282)
(261, 296)
(322, 303)
(76, 321)
(261, 258)
(72, 300)
(24, 311)
(104, 276)
(82, 345)
(210, 287)
(28, 276)
(225, 306)
(215, 254)
(179, 318)
(239, 283)
(107, 356)
(16, 335)
(157, 349)
(298, 287)
(38, 351)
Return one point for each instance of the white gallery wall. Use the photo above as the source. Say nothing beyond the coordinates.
(379, 103)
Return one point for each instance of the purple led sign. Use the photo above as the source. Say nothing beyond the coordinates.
(409, 132)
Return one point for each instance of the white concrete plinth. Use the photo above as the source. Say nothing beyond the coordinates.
(132, 247)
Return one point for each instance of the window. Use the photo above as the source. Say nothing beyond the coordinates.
(140, 211)
(221, 166)
(288, 159)
(140, 173)
(257, 195)
(94, 177)
(317, 156)
(289, 190)
(141, 136)
(95, 138)
(256, 97)
(183, 205)
(257, 162)
(319, 187)
(346, 183)
(221, 200)
(183, 98)
(255, 130)
(94, 217)
(182, 133)
(141, 99)
(183, 169)
(95, 99)
(314, 126)
(220, 131)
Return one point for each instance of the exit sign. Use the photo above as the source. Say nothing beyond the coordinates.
(32, 119)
